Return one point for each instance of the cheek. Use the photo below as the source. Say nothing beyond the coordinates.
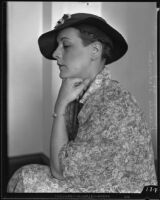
(77, 57)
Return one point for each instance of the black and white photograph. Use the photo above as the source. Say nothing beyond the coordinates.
(81, 99)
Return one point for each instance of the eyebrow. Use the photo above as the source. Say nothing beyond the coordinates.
(64, 37)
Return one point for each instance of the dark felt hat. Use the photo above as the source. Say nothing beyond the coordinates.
(48, 42)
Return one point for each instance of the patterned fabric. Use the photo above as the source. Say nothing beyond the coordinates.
(111, 153)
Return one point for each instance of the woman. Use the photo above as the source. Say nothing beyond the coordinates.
(99, 141)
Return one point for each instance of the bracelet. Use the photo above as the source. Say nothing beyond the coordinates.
(55, 115)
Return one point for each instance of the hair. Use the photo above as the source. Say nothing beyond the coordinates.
(90, 34)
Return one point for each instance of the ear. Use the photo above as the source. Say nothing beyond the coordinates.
(96, 50)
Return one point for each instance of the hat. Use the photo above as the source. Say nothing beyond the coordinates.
(48, 41)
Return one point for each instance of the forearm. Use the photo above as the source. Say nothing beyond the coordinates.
(69, 91)
(59, 137)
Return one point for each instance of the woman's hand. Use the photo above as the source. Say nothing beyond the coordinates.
(71, 89)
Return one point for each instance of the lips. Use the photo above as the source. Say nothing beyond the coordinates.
(61, 67)
(60, 64)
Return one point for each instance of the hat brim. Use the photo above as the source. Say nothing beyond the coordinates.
(48, 42)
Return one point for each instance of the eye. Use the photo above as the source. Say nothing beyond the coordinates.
(66, 46)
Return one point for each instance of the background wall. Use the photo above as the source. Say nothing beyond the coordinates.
(34, 81)
(25, 94)
(136, 71)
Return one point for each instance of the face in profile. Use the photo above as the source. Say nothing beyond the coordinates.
(73, 58)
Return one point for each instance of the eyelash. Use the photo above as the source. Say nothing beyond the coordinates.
(66, 46)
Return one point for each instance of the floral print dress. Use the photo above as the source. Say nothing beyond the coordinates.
(110, 152)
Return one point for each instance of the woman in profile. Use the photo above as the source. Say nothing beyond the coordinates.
(100, 141)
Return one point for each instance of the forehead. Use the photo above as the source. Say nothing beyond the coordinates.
(70, 33)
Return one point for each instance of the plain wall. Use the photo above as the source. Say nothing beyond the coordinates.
(47, 84)
(25, 102)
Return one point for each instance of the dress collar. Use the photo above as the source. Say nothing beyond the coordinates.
(102, 77)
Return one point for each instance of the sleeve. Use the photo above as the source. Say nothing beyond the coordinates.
(113, 144)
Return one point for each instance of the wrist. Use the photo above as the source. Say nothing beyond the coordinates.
(60, 108)
(55, 115)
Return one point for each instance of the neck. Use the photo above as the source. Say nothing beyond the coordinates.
(98, 68)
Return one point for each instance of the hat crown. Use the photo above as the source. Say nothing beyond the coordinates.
(77, 17)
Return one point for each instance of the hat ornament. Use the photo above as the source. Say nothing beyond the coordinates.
(62, 20)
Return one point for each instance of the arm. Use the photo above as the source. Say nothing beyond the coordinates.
(68, 92)
(59, 137)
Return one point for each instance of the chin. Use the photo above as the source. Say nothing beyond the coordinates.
(62, 75)
(65, 75)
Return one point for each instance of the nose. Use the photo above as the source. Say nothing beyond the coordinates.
(57, 53)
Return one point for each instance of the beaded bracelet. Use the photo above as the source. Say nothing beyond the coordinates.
(55, 115)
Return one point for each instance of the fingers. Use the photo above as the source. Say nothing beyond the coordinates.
(81, 81)
(73, 81)
(76, 86)
(78, 83)
(83, 84)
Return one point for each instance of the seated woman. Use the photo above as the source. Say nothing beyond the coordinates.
(100, 141)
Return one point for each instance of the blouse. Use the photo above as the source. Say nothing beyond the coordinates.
(112, 150)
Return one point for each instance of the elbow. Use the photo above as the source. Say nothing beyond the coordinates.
(58, 174)
(55, 167)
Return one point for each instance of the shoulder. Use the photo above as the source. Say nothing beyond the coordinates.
(111, 101)
(113, 94)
